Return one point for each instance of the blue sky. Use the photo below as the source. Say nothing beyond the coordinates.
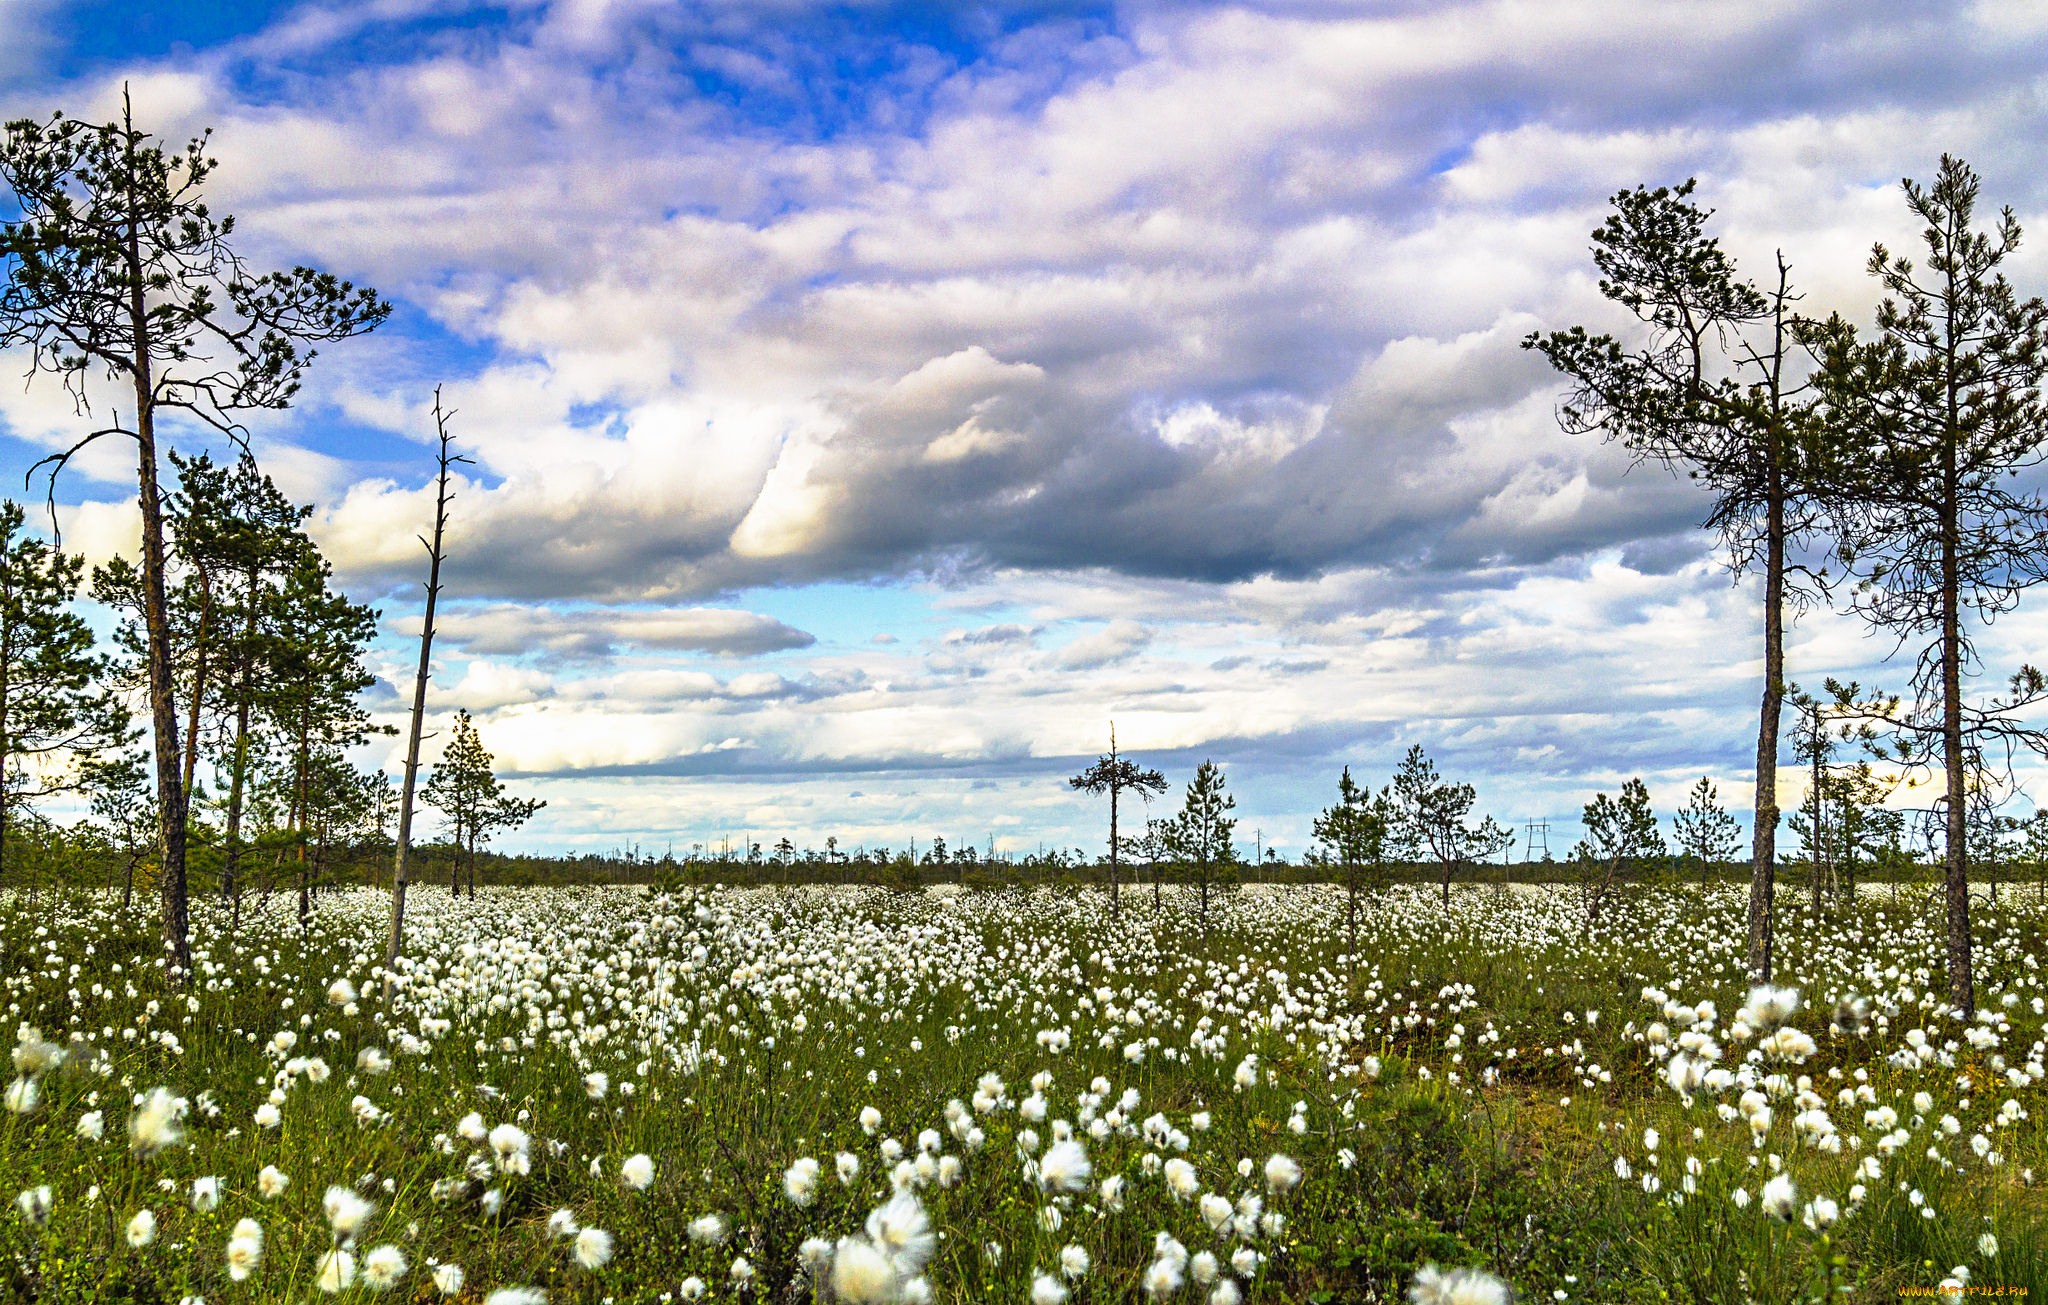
(870, 402)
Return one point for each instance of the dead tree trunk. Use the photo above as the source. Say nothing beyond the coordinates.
(435, 554)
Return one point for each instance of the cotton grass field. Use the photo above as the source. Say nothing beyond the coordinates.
(835, 1094)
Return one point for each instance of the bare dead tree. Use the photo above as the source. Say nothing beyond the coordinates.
(436, 554)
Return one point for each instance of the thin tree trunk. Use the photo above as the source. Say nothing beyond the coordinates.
(1351, 920)
(1961, 987)
(1819, 812)
(191, 759)
(402, 849)
(231, 859)
(1764, 838)
(6, 742)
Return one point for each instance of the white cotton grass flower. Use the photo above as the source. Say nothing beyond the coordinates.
(1065, 1168)
(141, 1230)
(335, 1272)
(33, 1056)
(1215, 1210)
(517, 1296)
(847, 1165)
(470, 1128)
(448, 1278)
(1282, 1174)
(596, 1083)
(206, 1194)
(1768, 1007)
(815, 1254)
(902, 1229)
(741, 1273)
(562, 1223)
(870, 1120)
(510, 1149)
(708, 1229)
(862, 1273)
(637, 1172)
(91, 1125)
(272, 1181)
(1435, 1286)
(692, 1288)
(35, 1204)
(341, 992)
(1181, 1179)
(158, 1123)
(383, 1267)
(268, 1116)
(1047, 1290)
(1074, 1261)
(800, 1181)
(245, 1250)
(1203, 1268)
(1112, 1191)
(22, 1095)
(346, 1212)
(1226, 1293)
(1161, 1279)
(1780, 1199)
(593, 1248)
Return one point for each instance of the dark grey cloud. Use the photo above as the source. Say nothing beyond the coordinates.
(511, 630)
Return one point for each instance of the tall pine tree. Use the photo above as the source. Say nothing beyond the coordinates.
(1943, 405)
(116, 269)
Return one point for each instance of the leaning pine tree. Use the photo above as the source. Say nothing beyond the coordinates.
(1708, 386)
(1943, 406)
(115, 267)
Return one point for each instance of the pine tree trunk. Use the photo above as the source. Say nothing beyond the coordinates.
(1351, 920)
(1764, 840)
(6, 743)
(1961, 986)
(1114, 904)
(162, 710)
(191, 759)
(1819, 814)
(231, 859)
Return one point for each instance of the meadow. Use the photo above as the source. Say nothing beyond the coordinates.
(617, 1094)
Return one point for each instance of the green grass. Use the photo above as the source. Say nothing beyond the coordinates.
(742, 1029)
